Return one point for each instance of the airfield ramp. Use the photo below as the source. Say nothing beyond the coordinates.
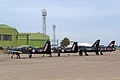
(74, 67)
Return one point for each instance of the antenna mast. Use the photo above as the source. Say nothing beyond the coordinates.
(44, 14)
(54, 37)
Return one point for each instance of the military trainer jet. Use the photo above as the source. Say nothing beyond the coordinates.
(109, 48)
(93, 48)
(73, 49)
(31, 50)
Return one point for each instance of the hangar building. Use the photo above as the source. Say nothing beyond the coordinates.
(8, 36)
(34, 39)
(11, 37)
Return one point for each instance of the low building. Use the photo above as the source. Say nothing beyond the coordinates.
(33, 39)
(8, 36)
(11, 37)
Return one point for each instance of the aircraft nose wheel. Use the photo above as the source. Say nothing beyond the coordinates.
(11, 56)
(68, 54)
(80, 53)
(30, 56)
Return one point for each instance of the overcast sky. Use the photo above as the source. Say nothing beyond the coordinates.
(79, 20)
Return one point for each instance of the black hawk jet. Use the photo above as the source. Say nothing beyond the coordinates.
(73, 49)
(109, 48)
(93, 48)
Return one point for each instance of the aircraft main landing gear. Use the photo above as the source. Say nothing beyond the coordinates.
(50, 55)
(80, 53)
(101, 53)
(86, 53)
(97, 53)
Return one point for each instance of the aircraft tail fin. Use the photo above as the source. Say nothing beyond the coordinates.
(96, 44)
(47, 47)
(112, 44)
(75, 47)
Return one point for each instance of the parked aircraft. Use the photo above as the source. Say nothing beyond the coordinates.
(93, 48)
(31, 50)
(109, 48)
(73, 49)
(1, 49)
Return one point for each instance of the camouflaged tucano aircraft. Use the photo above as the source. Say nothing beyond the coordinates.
(93, 48)
(31, 50)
